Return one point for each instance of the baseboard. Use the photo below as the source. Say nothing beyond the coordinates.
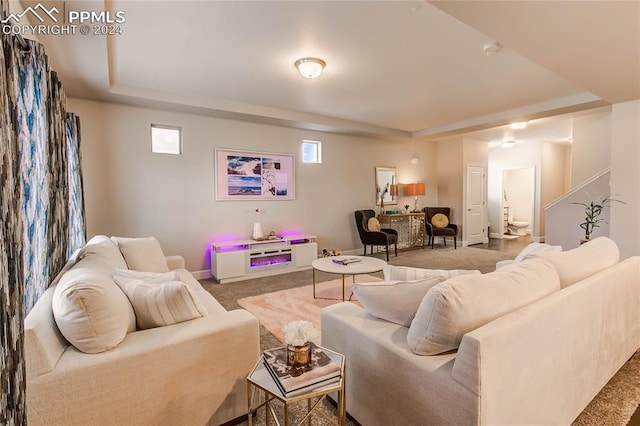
(537, 239)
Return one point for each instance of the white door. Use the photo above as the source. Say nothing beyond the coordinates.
(475, 204)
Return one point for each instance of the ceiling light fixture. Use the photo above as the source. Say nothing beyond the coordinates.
(508, 144)
(491, 48)
(310, 67)
(519, 125)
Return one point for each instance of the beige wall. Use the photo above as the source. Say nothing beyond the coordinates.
(625, 177)
(554, 176)
(591, 148)
(131, 192)
(450, 178)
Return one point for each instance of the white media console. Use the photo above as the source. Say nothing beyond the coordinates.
(244, 259)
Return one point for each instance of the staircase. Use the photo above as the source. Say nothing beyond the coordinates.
(562, 219)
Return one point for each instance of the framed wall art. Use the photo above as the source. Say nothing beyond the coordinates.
(249, 175)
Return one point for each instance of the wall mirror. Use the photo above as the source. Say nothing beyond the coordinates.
(387, 184)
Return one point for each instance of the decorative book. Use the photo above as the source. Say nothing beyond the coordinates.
(346, 260)
(324, 371)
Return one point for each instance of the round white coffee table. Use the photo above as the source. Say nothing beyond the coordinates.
(365, 265)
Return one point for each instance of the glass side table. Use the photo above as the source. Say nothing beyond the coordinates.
(261, 380)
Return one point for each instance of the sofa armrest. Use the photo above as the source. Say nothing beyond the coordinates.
(175, 262)
(193, 372)
(558, 351)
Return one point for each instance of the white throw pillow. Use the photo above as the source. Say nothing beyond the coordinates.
(406, 273)
(463, 303)
(157, 305)
(142, 254)
(532, 249)
(394, 301)
(92, 313)
(150, 277)
(584, 261)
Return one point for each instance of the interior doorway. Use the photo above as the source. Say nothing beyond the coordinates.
(518, 202)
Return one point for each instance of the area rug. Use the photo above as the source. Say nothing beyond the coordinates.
(276, 309)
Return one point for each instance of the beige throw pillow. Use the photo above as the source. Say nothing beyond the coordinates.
(463, 303)
(157, 305)
(142, 254)
(91, 312)
(439, 220)
(584, 261)
(394, 301)
(407, 273)
(150, 277)
(373, 224)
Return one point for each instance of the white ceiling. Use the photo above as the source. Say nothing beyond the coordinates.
(400, 70)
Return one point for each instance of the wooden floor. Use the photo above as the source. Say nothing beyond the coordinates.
(511, 246)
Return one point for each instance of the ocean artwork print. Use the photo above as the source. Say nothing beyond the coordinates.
(250, 176)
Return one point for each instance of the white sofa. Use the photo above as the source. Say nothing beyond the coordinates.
(540, 364)
(188, 373)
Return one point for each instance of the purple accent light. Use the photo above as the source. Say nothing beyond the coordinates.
(227, 249)
(277, 259)
(290, 232)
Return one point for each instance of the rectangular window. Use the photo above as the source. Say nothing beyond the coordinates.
(166, 139)
(311, 152)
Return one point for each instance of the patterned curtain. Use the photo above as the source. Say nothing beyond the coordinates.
(77, 227)
(41, 205)
(12, 384)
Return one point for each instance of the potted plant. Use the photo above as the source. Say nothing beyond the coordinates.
(592, 211)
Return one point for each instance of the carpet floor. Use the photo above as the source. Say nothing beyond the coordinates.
(613, 406)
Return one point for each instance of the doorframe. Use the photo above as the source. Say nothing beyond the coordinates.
(532, 225)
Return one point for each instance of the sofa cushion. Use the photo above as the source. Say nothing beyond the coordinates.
(104, 251)
(579, 263)
(142, 254)
(91, 312)
(157, 305)
(394, 301)
(406, 273)
(466, 302)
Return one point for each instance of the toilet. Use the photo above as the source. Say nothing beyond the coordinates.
(517, 227)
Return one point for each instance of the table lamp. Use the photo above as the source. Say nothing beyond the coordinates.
(416, 189)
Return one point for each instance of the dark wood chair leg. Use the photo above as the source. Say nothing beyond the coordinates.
(444, 239)
(365, 249)
(433, 238)
(455, 243)
(395, 247)
(387, 252)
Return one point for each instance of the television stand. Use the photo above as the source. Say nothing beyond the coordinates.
(244, 259)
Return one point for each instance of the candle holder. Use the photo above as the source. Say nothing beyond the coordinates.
(299, 358)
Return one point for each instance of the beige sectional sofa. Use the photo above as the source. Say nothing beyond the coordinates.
(190, 372)
(540, 363)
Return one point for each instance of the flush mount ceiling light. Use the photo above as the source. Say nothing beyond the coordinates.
(519, 125)
(310, 67)
(491, 48)
(508, 144)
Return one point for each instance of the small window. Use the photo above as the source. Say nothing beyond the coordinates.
(166, 139)
(311, 152)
